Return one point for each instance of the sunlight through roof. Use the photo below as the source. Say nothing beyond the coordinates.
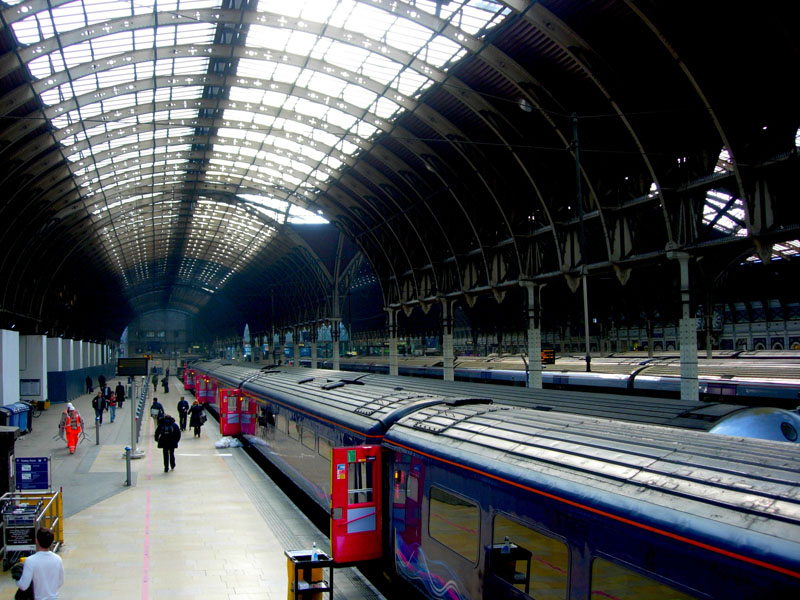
(195, 130)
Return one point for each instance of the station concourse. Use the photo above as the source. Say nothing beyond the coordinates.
(214, 528)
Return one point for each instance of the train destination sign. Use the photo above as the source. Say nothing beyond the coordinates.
(131, 366)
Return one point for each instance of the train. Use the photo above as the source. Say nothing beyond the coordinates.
(465, 498)
(756, 378)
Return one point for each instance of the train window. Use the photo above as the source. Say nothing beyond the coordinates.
(359, 482)
(613, 581)
(308, 439)
(324, 449)
(280, 423)
(533, 563)
(454, 522)
(412, 487)
(294, 429)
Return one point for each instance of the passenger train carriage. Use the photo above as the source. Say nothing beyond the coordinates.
(465, 498)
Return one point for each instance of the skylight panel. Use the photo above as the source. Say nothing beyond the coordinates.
(385, 108)
(262, 36)
(358, 96)
(370, 20)
(298, 214)
(408, 36)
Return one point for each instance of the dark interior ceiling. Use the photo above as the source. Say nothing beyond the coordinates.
(175, 155)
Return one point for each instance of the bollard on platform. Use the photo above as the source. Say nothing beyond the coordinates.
(128, 465)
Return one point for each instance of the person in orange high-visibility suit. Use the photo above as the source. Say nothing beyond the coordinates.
(72, 425)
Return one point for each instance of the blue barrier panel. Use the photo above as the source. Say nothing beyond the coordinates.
(64, 386)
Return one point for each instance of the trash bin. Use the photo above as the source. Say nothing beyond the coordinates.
(18, 414)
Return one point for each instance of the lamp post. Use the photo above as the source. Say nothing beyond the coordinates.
(581, 238)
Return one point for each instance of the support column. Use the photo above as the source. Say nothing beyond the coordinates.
(393, 361)
(86, 356)
(54, 354)
(313, 343)
(335, 343)
(534, 366)
(447, 340)
(33, 366)
(296, 349)
(282, 346)
(9, 366)
(688, 334)
(67, 358)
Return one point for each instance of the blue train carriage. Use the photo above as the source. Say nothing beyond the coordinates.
(500, 502)
(325, 434)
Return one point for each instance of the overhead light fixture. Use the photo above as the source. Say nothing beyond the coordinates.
(525, 105)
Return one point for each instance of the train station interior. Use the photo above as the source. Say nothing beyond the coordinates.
(458, 189)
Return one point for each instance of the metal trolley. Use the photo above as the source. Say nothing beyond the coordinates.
(23, 515)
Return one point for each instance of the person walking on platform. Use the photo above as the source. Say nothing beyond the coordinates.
(155, 382)
(165, 383)
(168, 435)
(101, 381)
(100, 405)
(119, 392)
(43, 569)
(71, 425)
(197, 417)
(112, 406)
(183, 411)
(156, 411)
(88, 384)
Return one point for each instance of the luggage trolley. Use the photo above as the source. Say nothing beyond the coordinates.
(20, 524)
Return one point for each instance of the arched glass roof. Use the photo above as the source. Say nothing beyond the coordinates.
(194, 129)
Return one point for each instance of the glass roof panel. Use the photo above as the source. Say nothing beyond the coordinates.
(149, 112)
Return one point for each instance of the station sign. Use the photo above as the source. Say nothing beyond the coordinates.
(32, 473)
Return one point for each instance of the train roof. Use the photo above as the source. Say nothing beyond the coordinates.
(641, 409)
(348, 402)
(713, 490)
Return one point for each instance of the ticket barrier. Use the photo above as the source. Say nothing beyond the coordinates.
(230, 402)
(24, 513)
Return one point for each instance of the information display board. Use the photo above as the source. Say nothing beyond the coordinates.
(32, 473)
(131, 366)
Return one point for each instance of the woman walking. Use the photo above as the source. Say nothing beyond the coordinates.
(197, 417)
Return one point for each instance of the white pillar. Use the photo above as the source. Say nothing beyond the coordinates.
(447, 340)
(67, 358)
(534, 338)
(33, 367)
(9, 366)
(54, 354)
(393, 360)
(77, 354)
(688, 335)
(85, 354)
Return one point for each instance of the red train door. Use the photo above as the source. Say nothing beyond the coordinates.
(355, 503)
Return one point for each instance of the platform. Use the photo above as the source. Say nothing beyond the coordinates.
(214, 528)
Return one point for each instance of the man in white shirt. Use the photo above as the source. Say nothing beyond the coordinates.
(43, 568)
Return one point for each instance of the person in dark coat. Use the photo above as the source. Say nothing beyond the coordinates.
(183, 411)
(156, 411)
(119, 392)
(197, 417)
(100, 405)
(88, 384)
(155, 382)
(101, 379)
(165, 383)
(168, 435)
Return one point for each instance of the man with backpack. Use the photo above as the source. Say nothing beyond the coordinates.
(168, 435)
